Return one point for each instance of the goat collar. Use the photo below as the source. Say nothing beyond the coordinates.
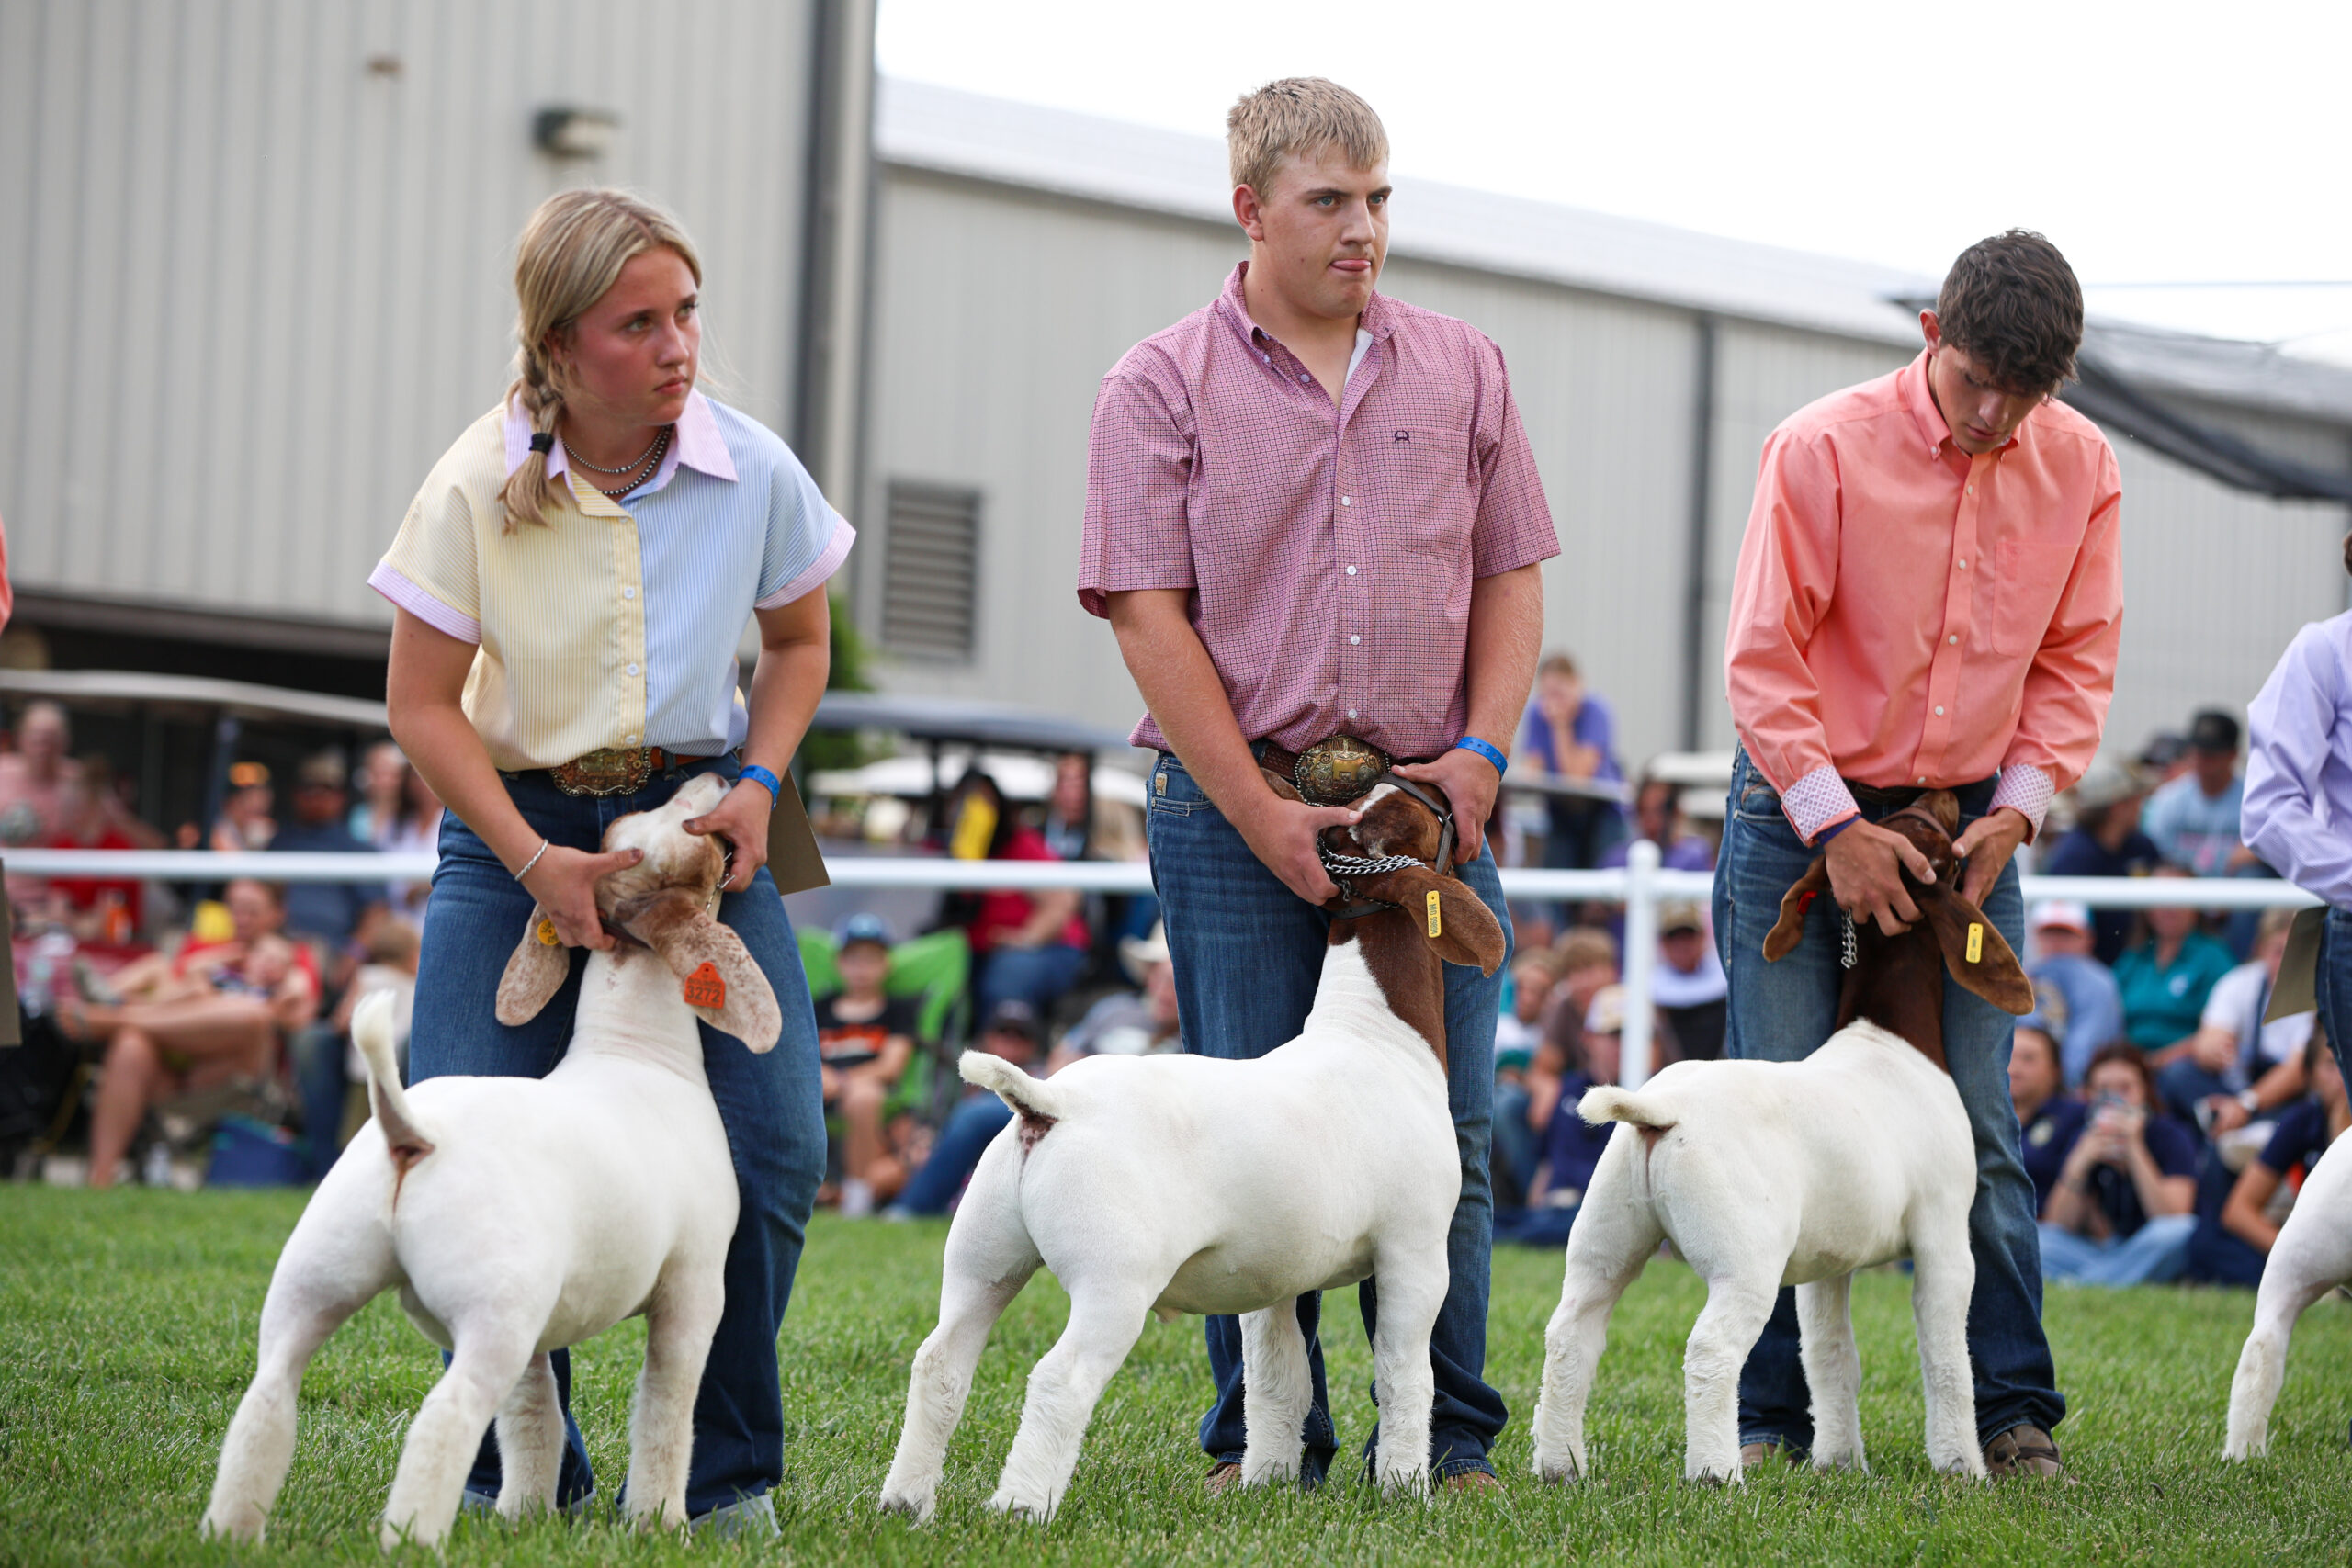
(1343, 869)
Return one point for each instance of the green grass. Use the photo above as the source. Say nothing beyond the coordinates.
(126, 1337)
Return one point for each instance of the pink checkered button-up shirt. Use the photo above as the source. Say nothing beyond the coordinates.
(1330, 550)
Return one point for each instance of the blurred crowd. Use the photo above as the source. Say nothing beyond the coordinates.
(182, 1030)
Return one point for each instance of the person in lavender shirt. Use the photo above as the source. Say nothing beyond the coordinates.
(2298, 810)
(1570, 732)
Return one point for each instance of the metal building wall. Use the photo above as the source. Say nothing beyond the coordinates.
(251, 287)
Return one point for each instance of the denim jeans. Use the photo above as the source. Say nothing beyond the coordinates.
(2152, 1255)
(1780, 1011)
(1038, 976)
(769, 1104)
(1518, 1147)
(2336, 985)
(1248, 956)
(970, 1129)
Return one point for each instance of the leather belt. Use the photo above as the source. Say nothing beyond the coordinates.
(614, 770)
(1339, 768)
(1899, 797)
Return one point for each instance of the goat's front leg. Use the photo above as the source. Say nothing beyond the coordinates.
(1615, 1236)
(1943, 1276)
(1738, 1307)
(1412, 1286)
(1278, 1390)
(1833, 1370)
(1106, 1320)
(679, 1322)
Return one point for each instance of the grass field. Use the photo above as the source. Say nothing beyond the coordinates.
(126, 1337)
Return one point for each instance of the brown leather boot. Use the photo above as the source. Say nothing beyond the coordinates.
(2025, 1453)
(1473, 1481)
(1754, 1454)
(1223, 1477)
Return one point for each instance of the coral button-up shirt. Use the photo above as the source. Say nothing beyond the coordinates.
(1907, 615)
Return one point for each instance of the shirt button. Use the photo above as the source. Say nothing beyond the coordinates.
(1971, 490)
(629, 739)
(1347, 501)
(1964, 563)
(632, 669)
(1940, 712)
(1354, 641)
(628, 593)
(1923, 778)
(1265, 359)
(1953, 639)
(1351, 571)
(1351, 713)
(1304, 376)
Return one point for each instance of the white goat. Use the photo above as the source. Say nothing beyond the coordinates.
(2311, 1257)
(517, 1215)
(1186, 1184)
(1769, 1174)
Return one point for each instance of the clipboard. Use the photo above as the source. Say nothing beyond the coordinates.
(794, 859)
(2297, 987)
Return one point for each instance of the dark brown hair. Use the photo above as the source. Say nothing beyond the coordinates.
(2130, 1056)
(2012, 304)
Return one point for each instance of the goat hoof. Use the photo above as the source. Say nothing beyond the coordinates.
(907, 1505)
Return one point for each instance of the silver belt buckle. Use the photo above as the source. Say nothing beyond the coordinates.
(1339, 769)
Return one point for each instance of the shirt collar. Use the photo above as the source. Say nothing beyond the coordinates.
(699, 444)
(1912, 383)
(1234, 305)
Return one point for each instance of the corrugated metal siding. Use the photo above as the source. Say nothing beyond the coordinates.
(249, 290)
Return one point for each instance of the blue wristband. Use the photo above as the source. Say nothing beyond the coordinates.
(1472, 743)
(1822, 839)
(760, 775)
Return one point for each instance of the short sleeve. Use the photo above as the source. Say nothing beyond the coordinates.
(1140, 452)
(2292, 1138)
(1514, 526)
(2171, 1147)
(807, 539)
(2227, 1003)
(432, 570)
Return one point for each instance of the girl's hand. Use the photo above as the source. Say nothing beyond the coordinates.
(741, 819)
(564, 882)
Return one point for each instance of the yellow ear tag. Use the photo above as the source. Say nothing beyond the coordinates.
(1975, 943)
(546, 934)
(1435, 925)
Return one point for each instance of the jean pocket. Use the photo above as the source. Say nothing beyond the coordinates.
(1173, 792)
(1759, 801)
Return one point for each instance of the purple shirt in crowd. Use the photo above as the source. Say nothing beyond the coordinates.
(2297, 811)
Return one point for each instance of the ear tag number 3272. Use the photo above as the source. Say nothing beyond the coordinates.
(705, 989)
(1435, 926)
(1975, 943)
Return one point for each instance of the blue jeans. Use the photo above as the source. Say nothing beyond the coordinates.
(970, 1129)
(1038, 976)
(2336, 985)
(2184, 1085)
(1780, 1011)
(769, 1104)
(1521, 1145)
(2152, 1255)
(1248, 956)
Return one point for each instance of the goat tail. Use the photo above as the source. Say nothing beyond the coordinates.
(1608, 1103)
(1027, 1096)
(371, 1031)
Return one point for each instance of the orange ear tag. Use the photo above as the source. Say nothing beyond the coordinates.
(705, 989)
(546, 934)
(1435, 927)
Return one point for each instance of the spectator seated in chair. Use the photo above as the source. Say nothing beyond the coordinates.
(1688, 984)
(2048, 1120)
(865, 1038)
(1129, 1023)
(2120, 1213)
(2074, 992)
(1519, 1036)
(1012, 1032)
(2165, 977)
(2106, 840)
(215, 1015)
(1572, 1147)
(2236, 1067)
(1029, 947)
(2230, 1246)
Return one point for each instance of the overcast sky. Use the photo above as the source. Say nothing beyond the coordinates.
(2154, 143)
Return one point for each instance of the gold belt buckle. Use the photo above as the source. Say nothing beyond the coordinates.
(1339, 769)
(614, 770)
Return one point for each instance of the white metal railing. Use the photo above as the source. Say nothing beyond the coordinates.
(1641, 887)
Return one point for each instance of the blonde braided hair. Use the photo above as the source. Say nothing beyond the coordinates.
(571, 251)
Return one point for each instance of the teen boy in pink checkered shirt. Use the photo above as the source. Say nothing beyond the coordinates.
(1311, 512)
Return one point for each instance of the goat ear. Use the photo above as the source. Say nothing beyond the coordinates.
(535, 973)
(1280, 784)
(1465, 931)
(1944, 806)
(673, 924)
(1974, 952)
(1788, 929)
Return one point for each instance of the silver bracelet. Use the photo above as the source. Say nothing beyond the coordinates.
(532, 862)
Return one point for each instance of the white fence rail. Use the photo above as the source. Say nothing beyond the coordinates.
(1641, 887)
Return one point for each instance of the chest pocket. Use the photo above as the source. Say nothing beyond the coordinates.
(2028, 574)
(1426, 497)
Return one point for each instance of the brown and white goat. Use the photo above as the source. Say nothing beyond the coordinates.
(1768, 1174)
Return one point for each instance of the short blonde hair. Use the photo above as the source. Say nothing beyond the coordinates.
(571, 251)
(1302, 116)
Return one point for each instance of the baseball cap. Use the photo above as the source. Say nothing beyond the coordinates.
(2162, 749)
(321, 769)
(2108, 784)
(1014, 1016)
(1607, 1014)
(1138, 954)
(862, 927)
(1679, 915)
(2213, 730)
(2069, 914)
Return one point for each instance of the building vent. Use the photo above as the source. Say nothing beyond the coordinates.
(930, 557)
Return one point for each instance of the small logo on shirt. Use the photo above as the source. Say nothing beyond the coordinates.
(1402, 435)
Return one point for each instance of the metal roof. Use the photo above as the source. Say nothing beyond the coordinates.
(947, 131)
(108, 688)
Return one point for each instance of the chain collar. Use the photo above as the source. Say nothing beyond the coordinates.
(1344, 868)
